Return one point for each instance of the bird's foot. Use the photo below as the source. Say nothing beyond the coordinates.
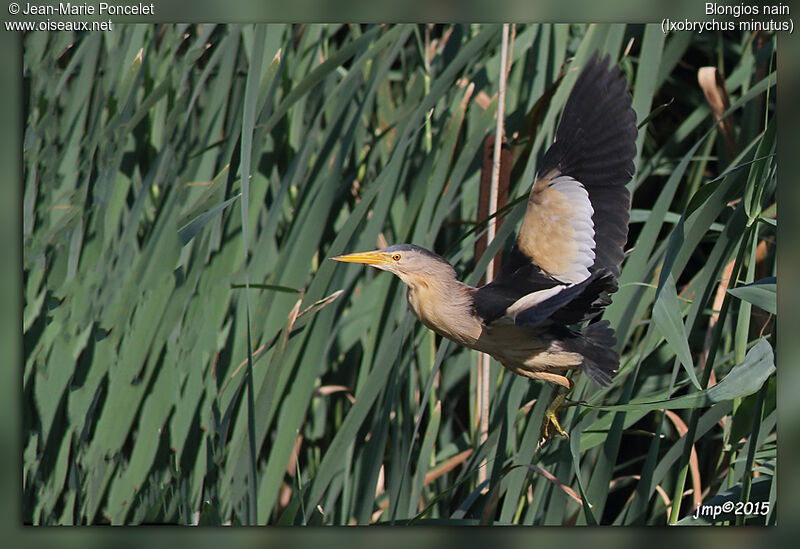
(551, 417)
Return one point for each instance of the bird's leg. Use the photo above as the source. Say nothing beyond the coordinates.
(551, 415)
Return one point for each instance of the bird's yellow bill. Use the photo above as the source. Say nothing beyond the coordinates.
(368, 258)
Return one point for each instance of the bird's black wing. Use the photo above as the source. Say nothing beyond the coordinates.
(576, 222)
(564, 303)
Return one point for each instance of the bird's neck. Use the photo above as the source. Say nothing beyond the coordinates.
(446, 306)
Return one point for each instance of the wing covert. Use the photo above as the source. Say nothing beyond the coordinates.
(557, 232)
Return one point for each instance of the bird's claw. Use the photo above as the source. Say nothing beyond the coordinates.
(551, 416)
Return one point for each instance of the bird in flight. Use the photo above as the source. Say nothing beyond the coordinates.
(565, 262)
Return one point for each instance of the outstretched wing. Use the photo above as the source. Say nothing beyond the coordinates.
(576, 222)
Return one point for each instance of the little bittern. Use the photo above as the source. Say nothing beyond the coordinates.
(565, 262)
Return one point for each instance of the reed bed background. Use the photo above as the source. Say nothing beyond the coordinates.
(192, 357)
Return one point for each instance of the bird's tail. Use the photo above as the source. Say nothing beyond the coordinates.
(600, 360)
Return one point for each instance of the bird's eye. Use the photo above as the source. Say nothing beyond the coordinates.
(396, 257)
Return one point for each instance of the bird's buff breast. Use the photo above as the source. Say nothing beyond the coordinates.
(451, 318)
(524, 350)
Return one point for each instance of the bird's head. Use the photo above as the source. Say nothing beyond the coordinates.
(413, 265)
